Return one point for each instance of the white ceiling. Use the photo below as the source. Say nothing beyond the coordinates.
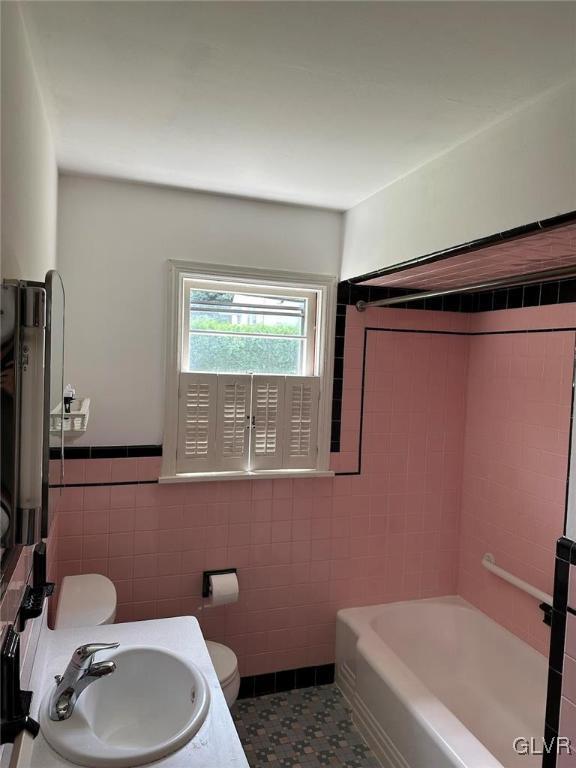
(319, 103)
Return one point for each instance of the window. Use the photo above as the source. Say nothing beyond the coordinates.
(248, 329)
(247, 385)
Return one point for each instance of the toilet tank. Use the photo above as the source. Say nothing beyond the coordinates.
(85, 601)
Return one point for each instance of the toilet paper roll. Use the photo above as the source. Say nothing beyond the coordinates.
(223, 589)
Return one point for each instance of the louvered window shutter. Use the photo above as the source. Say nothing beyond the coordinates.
(233, 423)
(302, 396)
(197, 401)
(267, 417)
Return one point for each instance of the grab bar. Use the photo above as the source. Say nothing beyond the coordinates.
(489, 562)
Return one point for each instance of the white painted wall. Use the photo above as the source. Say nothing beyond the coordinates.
(114, 239)
(29, 175)
(520, 170)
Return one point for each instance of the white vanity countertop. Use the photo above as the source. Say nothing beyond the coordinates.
(216, 745)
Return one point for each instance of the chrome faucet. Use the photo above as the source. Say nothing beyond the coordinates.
(79, 673)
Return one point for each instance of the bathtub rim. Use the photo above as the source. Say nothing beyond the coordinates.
(463, 749)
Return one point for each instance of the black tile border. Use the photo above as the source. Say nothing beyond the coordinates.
(73, 452)
(108, 452)
(252, 686)
(561, 576)
(517, 297)
(566, 549)
(265, 684)
(554, 685)
(557, 638)
(108, 483)
(549, 757)
(565, 560)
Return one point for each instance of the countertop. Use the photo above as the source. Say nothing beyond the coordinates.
(216, 745)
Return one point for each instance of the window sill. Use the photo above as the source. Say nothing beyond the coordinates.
(264, 474)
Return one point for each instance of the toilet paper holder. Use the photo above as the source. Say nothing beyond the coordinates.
(206, 578)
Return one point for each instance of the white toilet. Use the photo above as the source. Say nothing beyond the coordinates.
(90, 599)
(225, 663)
(85, 601)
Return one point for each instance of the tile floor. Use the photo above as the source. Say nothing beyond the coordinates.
(305, 728)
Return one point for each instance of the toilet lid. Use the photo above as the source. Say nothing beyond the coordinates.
(86, 600)
(224, 661)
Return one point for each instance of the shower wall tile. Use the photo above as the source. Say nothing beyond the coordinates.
(569, 678)
(96, 471)
(570, 646)
(567, 728)
(572, 589)
(515, 469)
(534, 318)
(356, 323)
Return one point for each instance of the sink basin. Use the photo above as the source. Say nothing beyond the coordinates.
(150, 706)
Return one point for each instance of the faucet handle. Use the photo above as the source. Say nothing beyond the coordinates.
(85, 652)
(101, 668)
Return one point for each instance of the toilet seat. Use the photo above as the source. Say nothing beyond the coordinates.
(226, 665)
(86, 600)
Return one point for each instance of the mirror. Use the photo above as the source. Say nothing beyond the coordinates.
(9, 553)
(25, 370)
(53, 388)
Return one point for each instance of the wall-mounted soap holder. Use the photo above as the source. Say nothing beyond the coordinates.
(73, 423)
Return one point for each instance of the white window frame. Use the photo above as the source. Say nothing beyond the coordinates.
(325, 288)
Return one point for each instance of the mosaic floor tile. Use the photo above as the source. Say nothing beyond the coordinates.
(305, 728)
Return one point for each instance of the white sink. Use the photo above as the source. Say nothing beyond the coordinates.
(149, 707)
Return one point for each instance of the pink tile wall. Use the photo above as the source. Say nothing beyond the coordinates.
(568, 730)
(572, 589)
(570, 644)
(569, 680)
(306, 548)
(515, 467)
(356, 322)
(515, 477)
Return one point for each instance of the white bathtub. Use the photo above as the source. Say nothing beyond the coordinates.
(436, 683)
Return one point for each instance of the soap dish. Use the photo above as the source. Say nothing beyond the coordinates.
(73, 423)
